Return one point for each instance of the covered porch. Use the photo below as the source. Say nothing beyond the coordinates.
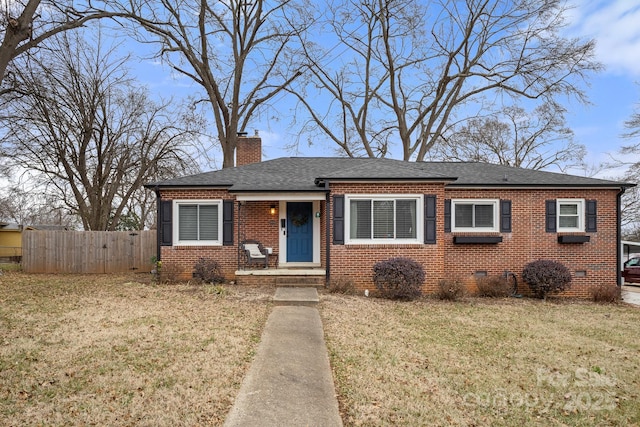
(289, 229)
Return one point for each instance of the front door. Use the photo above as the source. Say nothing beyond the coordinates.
(299, 232)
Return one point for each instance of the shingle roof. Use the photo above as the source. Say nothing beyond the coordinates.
(307, 174)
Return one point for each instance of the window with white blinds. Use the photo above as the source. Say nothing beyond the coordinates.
(199, 222)
(475, 215)
(570, 214)
(379, 219)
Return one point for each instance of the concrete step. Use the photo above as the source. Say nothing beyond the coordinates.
(296, 296)
(300, 281)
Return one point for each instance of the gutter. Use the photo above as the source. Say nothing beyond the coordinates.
(327, 249)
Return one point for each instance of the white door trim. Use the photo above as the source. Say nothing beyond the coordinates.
(282, 240)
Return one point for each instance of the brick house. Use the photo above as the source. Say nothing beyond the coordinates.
(333, 218)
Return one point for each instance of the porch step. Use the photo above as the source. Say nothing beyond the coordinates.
(300, 281)
(296, 296)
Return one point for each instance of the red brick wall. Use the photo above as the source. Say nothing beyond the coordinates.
(257, 223)
(527, 242)
(254, 221)
(248, 150)
(355, 262)
(185, 257)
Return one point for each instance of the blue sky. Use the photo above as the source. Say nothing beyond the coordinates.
(614, 93)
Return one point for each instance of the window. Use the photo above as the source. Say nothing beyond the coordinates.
(198, 222)
(377, 219)
(570, 214)
(474, 215)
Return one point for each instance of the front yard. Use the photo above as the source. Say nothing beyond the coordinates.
(484, 362)
(109, 350)
(119, 350)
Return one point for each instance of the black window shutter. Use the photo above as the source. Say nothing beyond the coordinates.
(338, 220)
(505, 216)
(592, 216)
(227, 222)
(447, 215)
(430, 219)
(166, 223)
(550, 222)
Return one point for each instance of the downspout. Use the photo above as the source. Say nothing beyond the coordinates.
(156, 189)
(618, 236)
(328, 233)
(239, 225)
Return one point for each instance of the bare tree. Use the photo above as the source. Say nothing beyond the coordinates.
(514, 137)
(240, 52)
(630, 209)
(407, 69)
(631, 198)
(32, 208)
(25, 24)
(84, 132)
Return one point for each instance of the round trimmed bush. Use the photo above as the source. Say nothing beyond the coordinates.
(399, 278)
(546, 276)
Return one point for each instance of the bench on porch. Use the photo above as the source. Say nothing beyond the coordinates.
(255, 253)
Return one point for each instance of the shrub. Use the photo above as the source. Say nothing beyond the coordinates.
(493, 287)
(606, 293)
(165, 273)
(169, 273)
(399, 278)
(546, 276)
(341, 285)
(207, 270)
(451, 289)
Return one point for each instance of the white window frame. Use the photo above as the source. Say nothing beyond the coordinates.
(496, 215)
(581, 213)
(176, 223)
(385, 197)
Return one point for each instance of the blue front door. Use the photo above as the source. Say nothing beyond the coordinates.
(299, 232)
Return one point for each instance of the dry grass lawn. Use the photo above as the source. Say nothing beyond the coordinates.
(110, 350)
(484, 362)
(118, 350)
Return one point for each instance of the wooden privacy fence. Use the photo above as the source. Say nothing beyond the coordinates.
(88, 251)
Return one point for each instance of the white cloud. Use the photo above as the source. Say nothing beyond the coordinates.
(614, 26)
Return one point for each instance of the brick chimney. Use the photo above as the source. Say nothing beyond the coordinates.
(248, 149)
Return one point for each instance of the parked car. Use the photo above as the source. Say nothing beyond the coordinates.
(631, 271)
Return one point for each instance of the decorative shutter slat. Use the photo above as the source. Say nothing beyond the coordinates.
(227, 222)
(430, 219)
(338, 220)
(166, 223)
(447, 215)
(505, 216)
(592, 216)
(550, 222)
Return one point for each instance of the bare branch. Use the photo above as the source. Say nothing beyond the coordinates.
(89, 136)
(412, 67)
(241, 53)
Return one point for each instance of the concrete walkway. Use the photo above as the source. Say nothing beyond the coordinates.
(290, 381)
(631, 294)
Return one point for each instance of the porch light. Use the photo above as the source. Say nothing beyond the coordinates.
(272, 209)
